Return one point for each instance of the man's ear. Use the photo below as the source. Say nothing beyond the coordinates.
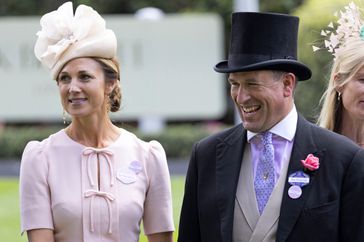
(289, 84)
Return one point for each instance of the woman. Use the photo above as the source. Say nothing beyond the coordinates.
(343, 101)
(91, 181)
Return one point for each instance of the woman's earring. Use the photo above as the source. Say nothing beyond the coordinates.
(339, 96)
(64, 117)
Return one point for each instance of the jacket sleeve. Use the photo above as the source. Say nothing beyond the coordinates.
(351, 209)
(189, 226)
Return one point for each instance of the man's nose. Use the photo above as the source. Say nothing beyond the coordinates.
(242, 94)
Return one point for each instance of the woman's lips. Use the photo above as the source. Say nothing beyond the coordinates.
(77, 100)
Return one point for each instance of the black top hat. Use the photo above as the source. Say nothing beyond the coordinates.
(264, 41)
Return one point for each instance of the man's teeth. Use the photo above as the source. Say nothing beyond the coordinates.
(250, 109)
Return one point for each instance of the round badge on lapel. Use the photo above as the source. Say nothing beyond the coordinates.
(294, 192)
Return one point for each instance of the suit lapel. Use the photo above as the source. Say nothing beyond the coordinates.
(229, 153)
(291, 208)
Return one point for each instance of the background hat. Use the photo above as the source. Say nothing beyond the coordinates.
(264, 41)
(65, 36)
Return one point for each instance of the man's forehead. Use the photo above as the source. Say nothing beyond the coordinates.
(249, 74)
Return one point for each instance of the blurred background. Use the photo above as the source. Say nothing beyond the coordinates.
(167, 50)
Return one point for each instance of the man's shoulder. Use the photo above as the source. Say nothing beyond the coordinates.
(326, 138)
(228, 135)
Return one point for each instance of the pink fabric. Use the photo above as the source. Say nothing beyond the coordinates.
(59, 189)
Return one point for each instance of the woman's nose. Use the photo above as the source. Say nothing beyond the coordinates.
(74, 87)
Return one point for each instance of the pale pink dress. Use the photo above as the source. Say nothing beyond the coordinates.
(59, 189)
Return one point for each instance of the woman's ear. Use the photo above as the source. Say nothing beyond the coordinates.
(339, 88)
(109, 86)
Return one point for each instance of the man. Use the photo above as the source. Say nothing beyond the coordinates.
(276, 177)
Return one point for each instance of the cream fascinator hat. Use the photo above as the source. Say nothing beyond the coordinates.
(65, 36)
(349, 27)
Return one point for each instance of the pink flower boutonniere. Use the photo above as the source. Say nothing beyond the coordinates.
(311, 162)
(299, 179)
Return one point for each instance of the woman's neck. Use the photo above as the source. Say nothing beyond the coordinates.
(97, 133)
(353, 129)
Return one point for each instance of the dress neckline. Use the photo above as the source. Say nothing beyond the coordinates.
(64, 133)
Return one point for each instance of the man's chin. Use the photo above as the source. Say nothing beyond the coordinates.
(252, 128)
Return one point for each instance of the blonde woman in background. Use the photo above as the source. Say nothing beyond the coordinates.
(343, 101)
(91, 181)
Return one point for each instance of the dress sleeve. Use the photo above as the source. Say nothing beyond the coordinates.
(158, 215)
(35, 205)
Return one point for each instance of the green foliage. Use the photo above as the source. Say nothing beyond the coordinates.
(39, 7)
(279, 6)
(14, 139)
(177, 140)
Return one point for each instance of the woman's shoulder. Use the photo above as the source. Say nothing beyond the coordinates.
(134, 139)
(35, 162)
(36, 148)
(33, 154)
(152, 148)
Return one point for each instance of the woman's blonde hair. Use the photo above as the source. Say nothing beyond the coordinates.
(348, 61)
(111, 69)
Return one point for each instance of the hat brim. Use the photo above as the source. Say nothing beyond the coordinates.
(296, 67)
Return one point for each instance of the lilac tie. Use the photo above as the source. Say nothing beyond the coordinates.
(264, 176)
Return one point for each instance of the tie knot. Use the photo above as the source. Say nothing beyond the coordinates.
(266, 138)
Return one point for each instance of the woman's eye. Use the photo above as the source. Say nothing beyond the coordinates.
(64, 79)
(85, 77)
